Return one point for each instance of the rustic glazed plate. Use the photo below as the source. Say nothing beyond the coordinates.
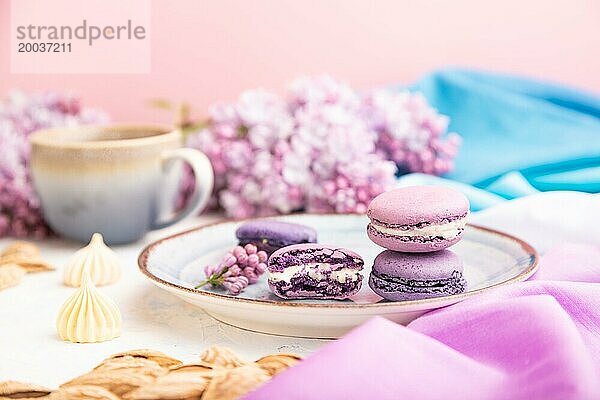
(176, 263)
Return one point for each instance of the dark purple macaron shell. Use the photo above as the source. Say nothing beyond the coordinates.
(402, 277)
(304, 286)
(270, 235)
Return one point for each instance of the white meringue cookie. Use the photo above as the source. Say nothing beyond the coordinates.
(100, 260)
(88, 316)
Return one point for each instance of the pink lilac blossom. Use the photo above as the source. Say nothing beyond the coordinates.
(20, 115)
(239, 268)
(245, 142)
(410, 132)
(333, 150)
(322, 148)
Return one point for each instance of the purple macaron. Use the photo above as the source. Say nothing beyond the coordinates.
(270, 235)
(417, 219)
(402, 277)
(311, 271)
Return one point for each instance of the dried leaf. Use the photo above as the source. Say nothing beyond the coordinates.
(277, 363)
(186, 373)
(25, 249)
(11, 275)
(235, 382)
(18, 390)
(161, 359)
(83, 392)
(150, 375)
(217, 356)
(117, 382)
(132, 364)
(201, 369)
(30, 264)
(176, 385)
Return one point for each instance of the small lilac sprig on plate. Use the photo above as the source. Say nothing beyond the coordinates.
(239, 268)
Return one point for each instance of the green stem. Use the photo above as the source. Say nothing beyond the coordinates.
(215, 279)
(204, 282)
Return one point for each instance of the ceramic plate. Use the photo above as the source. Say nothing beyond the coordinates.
(176, 263)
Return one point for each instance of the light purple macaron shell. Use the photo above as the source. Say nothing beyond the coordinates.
(420, 266)
(416, 204)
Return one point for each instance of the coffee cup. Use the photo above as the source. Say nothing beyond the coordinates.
(118, 180)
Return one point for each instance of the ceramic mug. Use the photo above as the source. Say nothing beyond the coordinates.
(119, 180)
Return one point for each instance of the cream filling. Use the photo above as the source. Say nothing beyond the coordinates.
(315, 271)
(447, 231)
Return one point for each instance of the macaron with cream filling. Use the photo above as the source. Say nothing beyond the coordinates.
(417, 219)
(311, 271)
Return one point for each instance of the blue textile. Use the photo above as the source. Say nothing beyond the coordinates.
(519, 135)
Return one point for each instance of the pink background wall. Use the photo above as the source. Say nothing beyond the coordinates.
(207, 51)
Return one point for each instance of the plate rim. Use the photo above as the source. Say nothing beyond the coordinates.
(144, 254)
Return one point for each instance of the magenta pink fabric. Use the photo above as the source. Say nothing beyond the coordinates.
(533, 340)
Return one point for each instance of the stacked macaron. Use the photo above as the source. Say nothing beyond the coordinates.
(416, 224)
(404, 276)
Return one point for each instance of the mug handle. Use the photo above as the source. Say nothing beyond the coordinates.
(204, 174)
